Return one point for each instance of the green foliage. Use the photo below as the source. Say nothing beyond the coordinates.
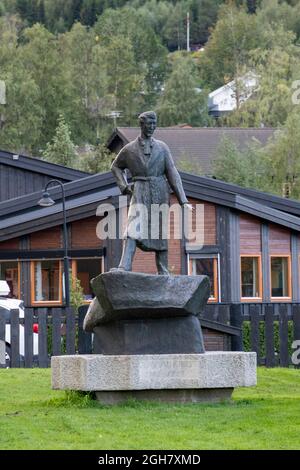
(189, 166)
(61, 149)
(182, 100)
(262, 338)
(97, 160)
(76, 293)
(23, 113)
(283, 157)
(229, 46)
(246, 167)
(119, 62)
(131, 41)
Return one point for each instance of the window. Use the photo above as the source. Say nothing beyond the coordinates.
(46, 282)
(86, 269)
(9, 272)
(251, 282)
(280, 276)
(208, 266)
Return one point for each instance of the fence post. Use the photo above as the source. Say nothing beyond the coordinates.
(84, 338)
(2, 340)
(283, 335)
(15, 338)
(70, 330)
(43, 346)
(236, 319)
(269, 336)
(28, 329)
(254, 331)
(296, 321)
(56, 331)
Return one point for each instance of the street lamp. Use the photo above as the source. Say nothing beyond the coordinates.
(47, 201)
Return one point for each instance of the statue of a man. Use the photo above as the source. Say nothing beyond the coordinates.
(151, 166)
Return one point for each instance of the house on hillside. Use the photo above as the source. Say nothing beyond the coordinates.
(197, 145)
(250, 252)
(223, 100)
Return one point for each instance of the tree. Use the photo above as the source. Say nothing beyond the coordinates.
(61, 149)
(40, 56)
(97, 160)
(283, 157)
(125, 79)
(186, 164)
(85, 61)
(248, 167)
(276, 68)
(41, 12)
(147, 55)
(182, 100)
(251, 5)
(22, 115)
(203, 15)
(228, 48)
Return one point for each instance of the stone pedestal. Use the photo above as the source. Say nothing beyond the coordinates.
(136, 313)
(178, 335)
(167, 377)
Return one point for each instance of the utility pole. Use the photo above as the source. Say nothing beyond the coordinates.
(188, 32)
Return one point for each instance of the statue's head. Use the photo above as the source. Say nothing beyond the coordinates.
(148, 123)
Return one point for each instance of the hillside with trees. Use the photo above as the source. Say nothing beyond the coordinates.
(77, 68)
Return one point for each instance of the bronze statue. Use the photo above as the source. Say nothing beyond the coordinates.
(151, 166)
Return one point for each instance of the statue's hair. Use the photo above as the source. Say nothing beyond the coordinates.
(147, 114)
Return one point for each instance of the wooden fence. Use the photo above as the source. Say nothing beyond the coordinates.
(267, 329)
(59, 332)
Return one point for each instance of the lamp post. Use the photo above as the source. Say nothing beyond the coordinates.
(47, 201)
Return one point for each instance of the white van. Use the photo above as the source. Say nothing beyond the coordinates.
(6, 305)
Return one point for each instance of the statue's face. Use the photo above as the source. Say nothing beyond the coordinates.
(148, 126)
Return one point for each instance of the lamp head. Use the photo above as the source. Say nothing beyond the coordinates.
(46, 200)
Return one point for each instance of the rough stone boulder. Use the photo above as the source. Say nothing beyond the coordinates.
(122, 295)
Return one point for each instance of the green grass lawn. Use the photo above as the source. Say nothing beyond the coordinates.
(32, 416)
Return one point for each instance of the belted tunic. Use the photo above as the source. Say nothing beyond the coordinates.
(153, 173)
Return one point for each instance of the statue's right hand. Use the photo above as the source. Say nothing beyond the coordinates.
(127, 190)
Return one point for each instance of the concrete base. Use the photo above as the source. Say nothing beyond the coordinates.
(202, 395)
(158, 372)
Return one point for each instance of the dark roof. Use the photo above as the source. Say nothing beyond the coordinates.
(22, 215)
(218, 326)
(36, 165)
(198, 144)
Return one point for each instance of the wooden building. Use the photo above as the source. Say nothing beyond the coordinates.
(20, 174)
(250, 252)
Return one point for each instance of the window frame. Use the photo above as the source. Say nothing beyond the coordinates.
(19, 272)
(289, 280)
(260, 283)
(216, 267)
(45, 303)
(74, 269)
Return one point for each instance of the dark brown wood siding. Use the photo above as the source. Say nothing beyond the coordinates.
(209, 221)
(13, 244)
(215, 340)
(15, 182)
(279, 240)
(83, 233)
(46, 239)
(250, 235)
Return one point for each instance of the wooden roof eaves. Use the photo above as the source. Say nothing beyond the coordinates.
(43, 167)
